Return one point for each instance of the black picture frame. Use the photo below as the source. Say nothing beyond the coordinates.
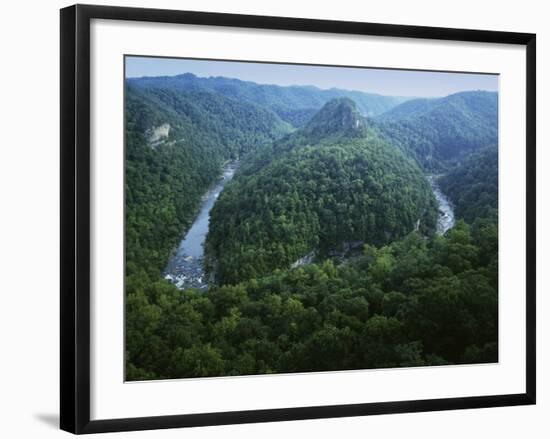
(75, 217)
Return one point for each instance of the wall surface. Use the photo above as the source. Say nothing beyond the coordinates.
(29, 248)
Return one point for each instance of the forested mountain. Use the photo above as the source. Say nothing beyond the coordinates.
(339, 117)
(176, 143)
(348, 177)
(294, 104)
(473, 186)
(438, 131)
(318, 196)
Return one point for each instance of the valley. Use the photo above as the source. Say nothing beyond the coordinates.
(185, 268)
(232, 187)
(446, 215)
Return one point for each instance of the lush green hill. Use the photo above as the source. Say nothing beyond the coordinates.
(317, 196)
(473, 186)
(438, 131)
(176, 143)
(294, 104)
(339, 117)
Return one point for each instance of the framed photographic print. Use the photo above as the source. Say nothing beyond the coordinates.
(267, 218)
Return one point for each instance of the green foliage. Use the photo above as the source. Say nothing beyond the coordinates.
(166, 178)
(411, 303)
(338, 117)
(350, 188)
(409, 299)
(293, 104)
(473, 186)
(437, 132)
(167, 172)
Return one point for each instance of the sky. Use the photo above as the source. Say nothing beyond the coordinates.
(371, 80)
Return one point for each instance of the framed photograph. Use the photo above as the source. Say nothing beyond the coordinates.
(268, 219)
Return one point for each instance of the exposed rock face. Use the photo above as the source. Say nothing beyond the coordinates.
(305, 260)
(159, 134)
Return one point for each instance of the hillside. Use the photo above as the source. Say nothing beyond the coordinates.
(294, 104)
(317, 196)
(176, 143)
(438, 131)
(473, 186)
(322, 244)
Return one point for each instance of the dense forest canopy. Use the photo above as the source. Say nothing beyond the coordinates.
(437, 132)
(412, 303)
(354, 188)
(473, 185)
(294, 104)
(176, 143)
(351, 175)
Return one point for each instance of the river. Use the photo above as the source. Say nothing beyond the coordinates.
(446, 215)
(185, 268)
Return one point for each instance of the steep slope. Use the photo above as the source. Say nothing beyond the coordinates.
(473, 186)
(176, 143)
(294, 104)
(338, 117)
(438, 131)
(317, 196)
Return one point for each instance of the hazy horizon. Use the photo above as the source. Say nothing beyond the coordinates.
(388, 82)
